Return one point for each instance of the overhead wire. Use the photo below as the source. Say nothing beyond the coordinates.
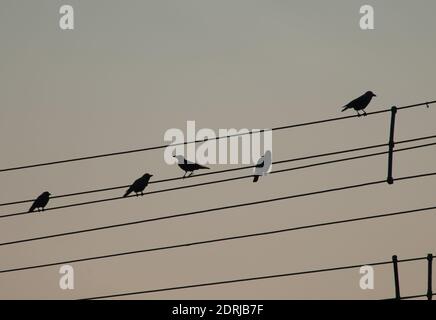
(20, 213)
(285, 127)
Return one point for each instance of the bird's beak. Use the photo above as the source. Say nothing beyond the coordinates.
(374, 95)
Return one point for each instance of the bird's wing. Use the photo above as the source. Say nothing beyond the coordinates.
(130, 190)
(44, 201)
(356, 102)
(258, 169)
(260, 161)
(133, 186)
(36, 204)
(33, 207)
(197, 166)
(264, 164)
(188, 162)
(137, 183)
(189, 165)
(260, 164)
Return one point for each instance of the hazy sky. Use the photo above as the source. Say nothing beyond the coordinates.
(133, 69)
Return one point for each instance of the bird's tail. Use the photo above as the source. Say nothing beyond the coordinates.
(345, 108)
(32, 208)
(203, 167)
(256, 178)
(127, 193)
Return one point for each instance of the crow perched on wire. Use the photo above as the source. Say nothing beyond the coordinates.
(188, 166)
(263, 166)
(139, 185)
(360, 103)
(40, 202)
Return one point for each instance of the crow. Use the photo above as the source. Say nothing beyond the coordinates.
(263, 166)
(139, 185)
(188, 166)
(40, 202)
(360, 103)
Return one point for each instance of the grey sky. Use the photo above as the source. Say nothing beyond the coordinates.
(132, 69)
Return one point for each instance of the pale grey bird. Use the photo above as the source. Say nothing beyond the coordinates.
(263, 166)
(360, 103)
(139, 185)
(40, 202)
(188, 166)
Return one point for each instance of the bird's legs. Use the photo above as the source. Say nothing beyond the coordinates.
(364, 113)
(358, 113)
(142, 193)
(185, 174)
(192, 172)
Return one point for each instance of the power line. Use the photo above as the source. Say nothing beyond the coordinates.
(210, 241)
(249, 279)
(410, 297)
(192, 213)
(229, 170)
(193, 185)
(304, 124)
(415, 139)
(219, 181)
(414, 297)
(216, 209)
(210, 173)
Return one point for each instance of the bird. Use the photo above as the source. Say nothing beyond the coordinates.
(263, 166)
(139, 185)
(360, 103)
(188, 166)
(40, 202)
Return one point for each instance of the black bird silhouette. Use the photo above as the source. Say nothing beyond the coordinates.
(139, 185)
(188, 166)
(40, 202)
(360, 103)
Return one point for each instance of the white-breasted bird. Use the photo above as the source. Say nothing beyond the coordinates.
(188, 166)
(263, 166)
